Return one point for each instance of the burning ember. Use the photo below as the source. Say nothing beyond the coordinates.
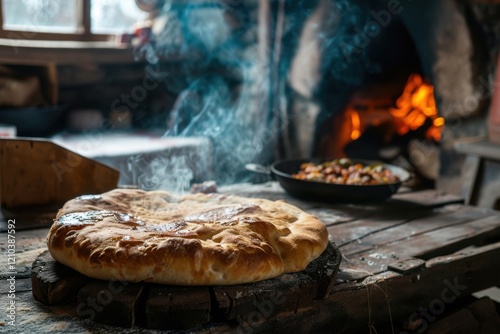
(375, 117)
(415, 105)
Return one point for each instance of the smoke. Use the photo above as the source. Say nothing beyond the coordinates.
(170, 174)
(209, 109)
(345, 60)
(216, 44)
(220, 101)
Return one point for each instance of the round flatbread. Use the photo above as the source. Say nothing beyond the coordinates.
(197, 239)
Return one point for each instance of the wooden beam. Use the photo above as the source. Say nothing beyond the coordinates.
(86, 17)
(63, 52)
(49, 36)
(1, 15)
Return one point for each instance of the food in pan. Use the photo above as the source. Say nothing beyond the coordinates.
(345, 171)
(195, 239)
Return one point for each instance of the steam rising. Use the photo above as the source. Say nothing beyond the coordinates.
(219, 102)
(162, 173)
(206, 109)
(227, 82)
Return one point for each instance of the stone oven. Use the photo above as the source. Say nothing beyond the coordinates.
(393, 80)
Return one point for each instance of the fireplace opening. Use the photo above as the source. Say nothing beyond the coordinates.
(373, 89)
(385, 122)
(391, 115)
(373, 117)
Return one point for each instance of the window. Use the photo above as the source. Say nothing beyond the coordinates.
(114, 16)
(41, 15)
(67, 19)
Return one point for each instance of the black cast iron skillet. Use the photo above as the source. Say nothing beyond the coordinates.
(282, 172)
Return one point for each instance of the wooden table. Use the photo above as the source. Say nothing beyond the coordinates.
(406, 261)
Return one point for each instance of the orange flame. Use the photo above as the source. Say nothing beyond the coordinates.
(356, 125)
(415, 105)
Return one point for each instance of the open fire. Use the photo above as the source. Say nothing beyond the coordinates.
(378, 114)
(415, 106)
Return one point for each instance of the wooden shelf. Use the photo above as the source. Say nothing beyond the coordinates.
(34, 52)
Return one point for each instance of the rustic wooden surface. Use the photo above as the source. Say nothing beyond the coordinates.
(403, 260)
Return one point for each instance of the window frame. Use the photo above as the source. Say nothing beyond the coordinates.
(83, 34)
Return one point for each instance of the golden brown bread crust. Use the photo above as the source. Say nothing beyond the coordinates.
(134, 235)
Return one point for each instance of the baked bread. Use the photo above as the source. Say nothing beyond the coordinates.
(196, 239)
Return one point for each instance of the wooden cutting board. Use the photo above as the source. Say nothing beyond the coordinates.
(167, 307)
(37, 172)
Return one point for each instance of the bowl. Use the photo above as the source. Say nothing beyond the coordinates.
(34, 121)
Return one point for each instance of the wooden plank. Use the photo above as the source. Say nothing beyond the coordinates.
(470, 170)
(461, 321)
(373, 259)
(177, 308)
(334, 214)
(475, 316)
(484, 310)
(462, 255)
(38, 172)
(269, 190)
(450, 239)
(427, 198)
(380, 299)
(17, 50)
(487, 192)
(404, 229)
(442, 241)
(262, 301)
(372, 219)
(407, 266)
(355, 231)
(481, 148)
(111, 303)
(331, 216)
